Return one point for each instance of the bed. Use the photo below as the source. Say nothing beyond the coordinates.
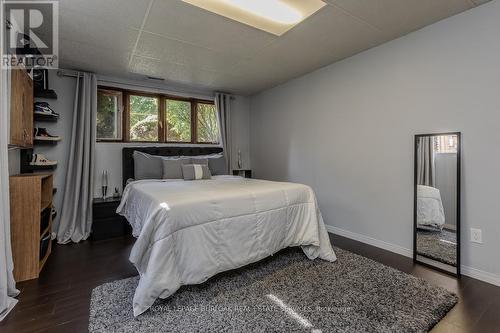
(188, 231)
(430, 211)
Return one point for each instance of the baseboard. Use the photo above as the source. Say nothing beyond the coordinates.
(370, 241)
(466, 270)
(450, 227)
(481, 275)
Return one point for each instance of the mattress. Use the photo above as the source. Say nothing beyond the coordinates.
(430, 211)
(188, 231)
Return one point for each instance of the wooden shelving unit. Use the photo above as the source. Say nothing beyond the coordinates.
(21, 109)
(31, 223)
(27, 154)
(47, 94)
(26, 167)
(45, 117)
(45, 142)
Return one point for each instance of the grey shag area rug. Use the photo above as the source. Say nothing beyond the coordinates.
(284, 293)
(438, 245)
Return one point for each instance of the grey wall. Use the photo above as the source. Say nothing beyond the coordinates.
(446, 182)
(347, 130)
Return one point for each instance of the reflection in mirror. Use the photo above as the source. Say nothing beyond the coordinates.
(437, 199)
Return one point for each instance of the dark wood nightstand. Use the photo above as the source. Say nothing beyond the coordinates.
(106, 223)
(243, 173)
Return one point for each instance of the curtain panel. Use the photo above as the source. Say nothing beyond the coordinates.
(426, 169)
(223, 105)
(76, 214)
(7, 283)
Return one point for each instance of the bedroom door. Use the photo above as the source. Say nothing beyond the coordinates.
(437, 201)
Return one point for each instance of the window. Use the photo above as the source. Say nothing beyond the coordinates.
(178, 120)
(131, 116)
(144, 118)
(109, 114)
(207, 123)
(446, 144)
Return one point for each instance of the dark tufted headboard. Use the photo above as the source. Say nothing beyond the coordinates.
(128, 159)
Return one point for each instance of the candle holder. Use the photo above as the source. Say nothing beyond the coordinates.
(104, 184)
(240, 162)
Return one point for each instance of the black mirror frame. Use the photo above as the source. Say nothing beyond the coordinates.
(459, 227)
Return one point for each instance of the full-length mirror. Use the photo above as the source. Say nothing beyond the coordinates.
(437, 201)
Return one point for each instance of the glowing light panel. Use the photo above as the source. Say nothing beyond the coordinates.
(273, 16)
(274, 10)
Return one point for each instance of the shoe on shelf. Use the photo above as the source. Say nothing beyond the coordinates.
(40, 160)
(53, 212)
(42, 135)
(45, 109)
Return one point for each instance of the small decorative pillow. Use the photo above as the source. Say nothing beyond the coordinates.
(172, 168)
(216, 163)
(196, 172)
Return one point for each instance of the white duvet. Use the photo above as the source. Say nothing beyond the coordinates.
(188, 231)
(430, 211)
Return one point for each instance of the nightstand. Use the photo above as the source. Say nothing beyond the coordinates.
(243, 173)
(106, 222)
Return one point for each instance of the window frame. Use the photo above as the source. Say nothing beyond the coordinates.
(126, 130)
(194, 110)
(162, 112)
(445, 149)
(122, 117)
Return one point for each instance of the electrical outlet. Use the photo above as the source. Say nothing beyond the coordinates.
(476, 236)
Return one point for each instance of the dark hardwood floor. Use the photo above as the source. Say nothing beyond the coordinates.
(59, 300)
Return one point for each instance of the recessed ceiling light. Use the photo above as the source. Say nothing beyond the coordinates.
(273, 16)
(274, 10)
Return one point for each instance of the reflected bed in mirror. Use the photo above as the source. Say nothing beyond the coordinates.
(437, 201)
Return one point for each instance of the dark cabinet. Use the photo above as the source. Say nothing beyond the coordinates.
(106, 222)
(243, 173)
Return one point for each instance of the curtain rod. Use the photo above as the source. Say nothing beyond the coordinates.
(69, 74)
(75, 75)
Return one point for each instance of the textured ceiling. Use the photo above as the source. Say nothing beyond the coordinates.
(188, 46)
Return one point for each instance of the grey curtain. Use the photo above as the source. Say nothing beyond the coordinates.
(223, 104)
(426, 169)
(76, 211)
(7, 284)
